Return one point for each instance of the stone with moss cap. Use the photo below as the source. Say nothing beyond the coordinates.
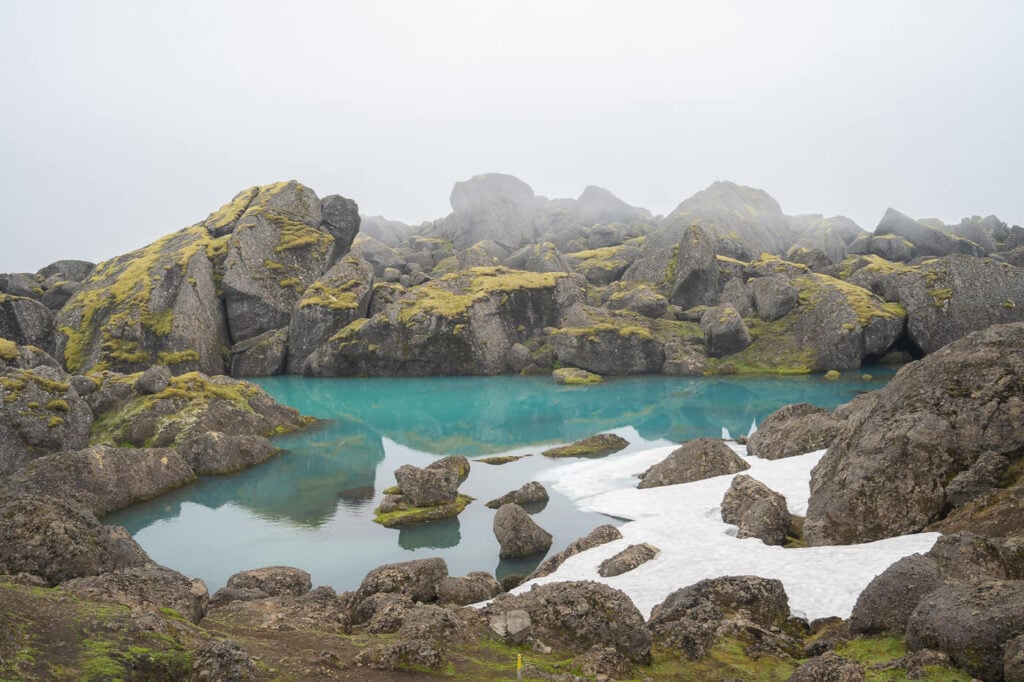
(591, 446)
(571, 376)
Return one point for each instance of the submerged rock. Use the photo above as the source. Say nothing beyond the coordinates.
(571, 376)
(591, 446)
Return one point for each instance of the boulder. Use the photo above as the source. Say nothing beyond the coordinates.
(26, 322)
(886, 603)
(341, 221)
(597, 205)
(579, 615)
(694, 460)
(262, 583)
(57, 540)
(417, 579)
(414, 653)
(471, 588)
(491, 206)
(970, 622)
(147, 586)
(693, 618)
(924, 240)
(531, 493)
(262, 355)
(591, 446)
(153, 380)
(605, 265)
(214, 453)
(886, 472)
(598, 536)
(276, 251)
(39, 412)
(773, 296)
(724, 331)
(427, 486)
(67, 270)
(518, 534)
(757, 510)
(828, 668)
(947, 298)
(793, 430)
(571, 376)
(611, 346)
(1013, 660)
(627, 560)
(104, 479)
(335, 300)
(639, 298)
(222, 659)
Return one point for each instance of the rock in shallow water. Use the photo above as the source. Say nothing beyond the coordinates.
(518, 534)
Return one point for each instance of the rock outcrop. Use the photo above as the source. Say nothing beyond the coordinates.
(888, 470)
(756, 509)
(146, 586)
(793, 430)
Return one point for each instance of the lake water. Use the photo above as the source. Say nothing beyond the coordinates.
(312, 506)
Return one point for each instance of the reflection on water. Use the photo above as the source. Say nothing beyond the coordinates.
(312, 506)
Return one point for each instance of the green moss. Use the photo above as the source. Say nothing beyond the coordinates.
(54, 422)
(726, 660)
(832, 375)
(773, 351)
(290, 283)
(571, 376)
(673, 265)
(296, 235)
(452, 296)
(125, 351)
(339, 297)
(8, 350)
(177, 357)
(231, 211)
(1009, 305)
(865, 304)
(15, 381)
(57, 405)
(414, 516)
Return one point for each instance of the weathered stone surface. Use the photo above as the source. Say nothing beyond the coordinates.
(464, 323)
(39, 411)
(340, 220)
(793, 430)
(610, 348)
(591, 446)
(417, 579)
(214, 453)
(262, 355)
(639, 298)
(192, 404)
(276, 251)
(153, 380)
(1013, 659)
(759, 511)
(260, 583)
(531, 493)
(104, 479)
(513, 625)
(57, 540)
(924, 240)
(598, 536)
(886, 472)
(971, 623)
(889, 599)
(26, 322)
(338, 298)
(427, 486)
(828, 668)
(579, 615)
(694, 460)
(518, 534)
(490, 206)
(149, 586)
(471, 588)
(773, 296)
(692, 619)
(724, 331)
(627, 560)
(597, 205)
(947, 298)
(68, 270)
(222, 660)
(403, 654)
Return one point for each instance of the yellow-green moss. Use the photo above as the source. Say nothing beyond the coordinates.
(15, 381)
(476, 284)
(231, 211)
(413, 516)
(177, 357)
(339, 297)
(297, 235)
(8, 350)
(867, 305)
(57, 404)
(832, 375)
(54, 422)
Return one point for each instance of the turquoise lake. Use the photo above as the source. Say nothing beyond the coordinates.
(312, 506)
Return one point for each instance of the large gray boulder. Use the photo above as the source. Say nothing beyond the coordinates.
(40, 412)
(214, 453)
(692, 619)
(490, 206)
(471, 588)
(773, 296)
(418, 579)
(26, 322)
(518, 534)
(947, 298)
(341, 221)
(887, 471)
(277, 249)
(724, 331)
(886, 603)
(970, 622)
(694, 460)
(150, 586)
(924, 240)
(597, 205)
(756, 509)
(263, 355)
(424, 487)
(104, 479)
(338, 298)
(681, 262)
(58, 540)
(793, 430)
(579, 615)
(627, 560)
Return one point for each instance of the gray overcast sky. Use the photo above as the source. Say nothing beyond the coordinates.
(124, 120)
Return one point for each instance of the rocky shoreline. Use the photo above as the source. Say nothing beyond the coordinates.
(113, 391)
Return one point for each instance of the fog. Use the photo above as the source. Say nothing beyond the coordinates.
(123, 121)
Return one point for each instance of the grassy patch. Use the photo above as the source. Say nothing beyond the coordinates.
(727, 660)
(413, 516)
(8, 350)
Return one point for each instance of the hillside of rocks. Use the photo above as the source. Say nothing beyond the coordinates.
(279, 280)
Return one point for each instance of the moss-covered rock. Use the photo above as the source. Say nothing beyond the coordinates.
(26, 322)
(399, 513)
(571, 376)
(591, 446)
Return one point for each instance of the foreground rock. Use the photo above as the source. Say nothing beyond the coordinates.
(751, 609)
(694, 460)
(214, 453)
(471, 588)
(591, 446)
(579, 615)
(888, 471)
(418, 579)
(149, 586)
(757, 510)
(261, 583)
(57, 540)
(518, 534)
(531, 493)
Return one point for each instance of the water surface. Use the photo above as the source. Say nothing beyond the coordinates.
(312, 506)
